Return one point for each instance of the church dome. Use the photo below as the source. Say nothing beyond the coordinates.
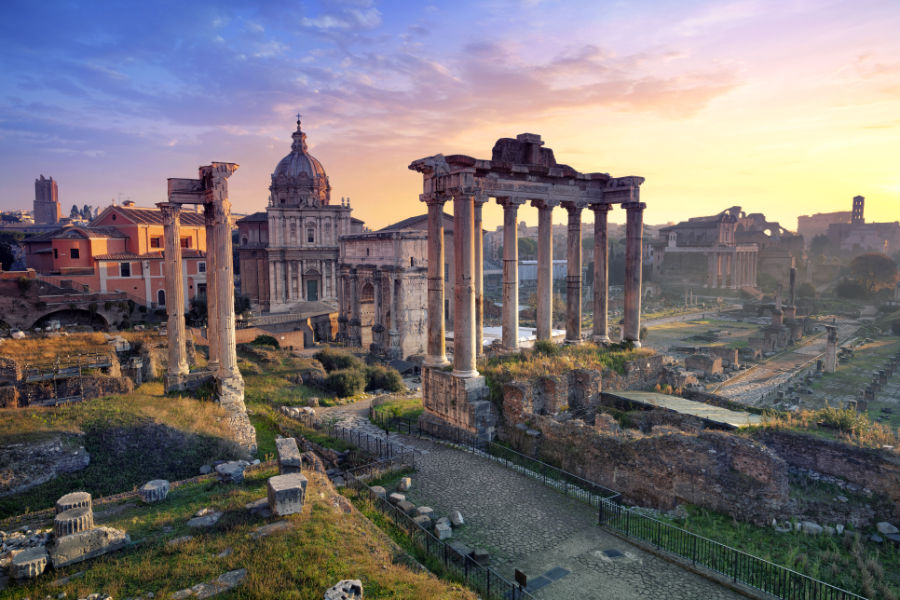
(299, 179)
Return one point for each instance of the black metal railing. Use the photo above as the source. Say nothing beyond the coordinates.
(740, 567)
(478, 577)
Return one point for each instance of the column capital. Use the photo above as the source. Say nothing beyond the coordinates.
(510, 202)
(574, 206)
(600, 207)
(544, 203)
(634, 205)
(435, 199)
(170, 212)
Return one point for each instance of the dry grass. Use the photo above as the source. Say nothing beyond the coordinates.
(551, 359)
(843, 424)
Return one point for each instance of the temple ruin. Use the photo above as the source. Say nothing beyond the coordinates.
(211, 192)
(519, 171)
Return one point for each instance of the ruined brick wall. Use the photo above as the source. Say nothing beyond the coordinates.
(878, 470)
(460, 403)
(640, 373)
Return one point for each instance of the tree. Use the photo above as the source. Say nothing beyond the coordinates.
(7, 257)
(821, 245)
(806, 290)
(527, 249)
(874, 272)
(86, 212)
(74, 213)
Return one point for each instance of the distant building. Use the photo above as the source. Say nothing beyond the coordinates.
(810, 226)
(859, 236)
(121, 250)
(46, 202)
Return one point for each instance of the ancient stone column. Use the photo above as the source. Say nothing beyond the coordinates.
(634, 234)
(381, 325)
(510, 332)
(178, 366)
(225, 283)
(545, 269)
(212, 312)
(355, 313)
(711, 277)
(479, 276)
(831, 349)
(600, 332)
(573, 273)
(464, 290)
(436, 355)
(393, 333)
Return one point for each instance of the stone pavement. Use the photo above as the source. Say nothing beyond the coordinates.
(526, 525)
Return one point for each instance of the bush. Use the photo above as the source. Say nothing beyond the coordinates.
(383, 378)
(266, 340)
(806, 290)
(546, 347)
(345, 382)
(851, 290)
(334, 360)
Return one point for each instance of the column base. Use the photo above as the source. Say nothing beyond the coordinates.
(569, 342)
(436, 362)
(464, 374)
(635, 343)
(176, 382)
(600, 339)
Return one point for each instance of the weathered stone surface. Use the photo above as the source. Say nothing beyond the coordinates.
(443, 530)
(72, 521)
(205, 470)
(348, 589)
(289, 458)
(422, 521)
(73, 500)
(207, 519)
(811, 528)
(885, 528)
(28, 563)
(379, 491)
(456, 518)
(407, 507)
(86, 544)
(231, 471)
(222, 583)
(396, 498)
(404, 484)
(155, 490)
(425, 511)
(270, 528)
(259, 508)
(286, 493)
(33, 463)
(480, 556)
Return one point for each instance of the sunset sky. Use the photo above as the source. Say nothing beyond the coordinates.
(784, 107)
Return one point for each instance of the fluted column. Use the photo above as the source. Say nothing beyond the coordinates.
(464, 289)
(178, 365)
(510, 331)
(634, 234)
(479, 277)
(573, 273)
(600, 331)
(225, 291)
(544, 312)
(212, 312)
(436, 355)
(355, 316)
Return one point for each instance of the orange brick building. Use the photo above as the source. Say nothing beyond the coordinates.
(120, 251)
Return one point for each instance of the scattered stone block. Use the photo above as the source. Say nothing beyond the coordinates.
(422, 521)
(443, 530)
(269, 529)
(461, 549)
(286, 493)
(205, 470)
(396, 498)
(480, 556)
(155, 490)
(83, 545)
(348, 589)
(404, 484)
(231, 471)
(456, 518)
(811, 528)
(379, 491)
(407, 507)
(289, 458)
(73, 520)
(839, 528)
(207, 519)
(425, 511)
(885, 528)
(259, 508)
(28, 563)
(876, 539)
(73, 500)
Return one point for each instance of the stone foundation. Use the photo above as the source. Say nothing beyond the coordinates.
(458, 402)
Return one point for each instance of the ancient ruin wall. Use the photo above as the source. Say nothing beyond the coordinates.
(871, 468)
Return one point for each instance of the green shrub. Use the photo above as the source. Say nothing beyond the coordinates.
(345, 382)
(265, 340)
(334, 360)
(383, 378)
(547, 348)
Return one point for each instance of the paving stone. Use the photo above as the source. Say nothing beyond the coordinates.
(286, 493)
(155, 490)
(72, 521)
(73, 500)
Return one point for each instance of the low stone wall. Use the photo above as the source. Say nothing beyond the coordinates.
(877, 470)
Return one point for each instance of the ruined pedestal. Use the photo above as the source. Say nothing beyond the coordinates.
(457, 402)
(286, 493)
(289, 459)
(83, 545)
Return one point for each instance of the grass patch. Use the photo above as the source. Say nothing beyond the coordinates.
(403, 408)
(325, 544)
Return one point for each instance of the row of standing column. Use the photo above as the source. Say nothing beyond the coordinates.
(468, 316)
(733, 269)
(287, 282)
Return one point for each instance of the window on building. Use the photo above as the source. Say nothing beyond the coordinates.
(311, 235)
(185, 242)
(201, 267)
(125, 269)
(201, 290)
(73, 253)
(412, 261)
(161, 297)
(156, 242)
(56, 253)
